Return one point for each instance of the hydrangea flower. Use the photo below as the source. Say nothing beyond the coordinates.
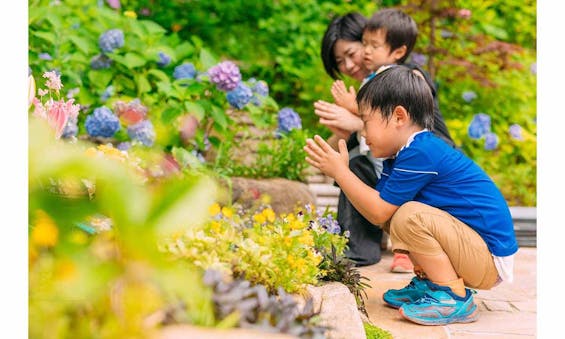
(107, 94)
(130, 113)
(185, 71)
(288, 119)
(71, 128)
(102, 123)
(124, 146)
(259, 87)
(464, 13)
(100, 61)
(469, 96)
(115, 4)
(143, 131)
(515, 131)
(164, 59)
(111, 40)
(240, 96)
(479, 126)
(45, 56)
(491, 141)
(225, 75)
(72, 92)
(419, 59)
(534, 68)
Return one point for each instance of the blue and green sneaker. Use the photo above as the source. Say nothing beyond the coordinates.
(416, 289)
(440, 306)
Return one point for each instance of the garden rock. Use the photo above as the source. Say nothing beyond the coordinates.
(285, 194)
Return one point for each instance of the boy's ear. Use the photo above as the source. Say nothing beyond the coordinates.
(399, 53)
(400, 116)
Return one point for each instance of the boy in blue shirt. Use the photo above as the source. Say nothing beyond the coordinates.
(438, 206)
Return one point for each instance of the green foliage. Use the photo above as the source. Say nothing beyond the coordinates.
(111, 279)
(275, 251)
(374, 332)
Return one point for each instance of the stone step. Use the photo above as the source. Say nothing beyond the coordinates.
(325, 190)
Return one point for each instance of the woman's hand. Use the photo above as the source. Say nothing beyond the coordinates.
(343, 97)
(322, 156)
(338, 118)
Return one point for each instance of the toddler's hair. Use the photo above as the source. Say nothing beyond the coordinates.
(400, 29)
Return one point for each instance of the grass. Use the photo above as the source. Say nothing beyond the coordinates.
(374, 332)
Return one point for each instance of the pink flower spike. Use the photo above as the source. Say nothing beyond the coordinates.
(57, 116)
(39, 110)
(42, 92)
(115, 4)
(54, 81)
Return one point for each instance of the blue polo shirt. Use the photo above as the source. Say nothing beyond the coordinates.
(430, 171)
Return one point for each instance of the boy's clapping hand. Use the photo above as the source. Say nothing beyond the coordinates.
(343, 97)
(322, 156)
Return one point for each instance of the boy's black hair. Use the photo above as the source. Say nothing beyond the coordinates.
(400, 29)
(347, 27)
(399, 86)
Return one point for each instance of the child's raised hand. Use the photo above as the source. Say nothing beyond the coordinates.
(336, 117)
(322, 156)
(343, 97)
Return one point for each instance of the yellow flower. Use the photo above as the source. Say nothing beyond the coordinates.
(265, 199)
(130, 14)
(214, 209)
(306, 239)
(227, 212)
(259, 218)
(65, 269)
(269, 214)
(45, 232)
(296, 225)
(78, 237)
(215, 226)
(290, 217)
(91, 152)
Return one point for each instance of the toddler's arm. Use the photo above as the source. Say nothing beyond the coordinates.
(343, 97)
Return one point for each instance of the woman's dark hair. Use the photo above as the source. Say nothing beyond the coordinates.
(400, 29)
(347, 27)
(399, 86)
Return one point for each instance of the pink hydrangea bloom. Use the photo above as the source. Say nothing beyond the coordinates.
(465, 13)
(115, 4)
(54, 81)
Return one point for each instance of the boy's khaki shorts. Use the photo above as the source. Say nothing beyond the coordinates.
(423, 229)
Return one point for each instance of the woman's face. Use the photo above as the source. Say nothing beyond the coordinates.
(349, 59)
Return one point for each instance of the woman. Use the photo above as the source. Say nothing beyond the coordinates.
(342, 54)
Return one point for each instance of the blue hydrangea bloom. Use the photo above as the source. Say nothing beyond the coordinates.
(142, 131)
(164, 60)
(111, 40)
(288, 119)
(258, 87)
(225, 75)
(491, 141)
(469, 96)
(240, 96)
(100, 61)
(185, 71)
(479, 126)
(419, 59)
(71, 128)
(108, 92)
(102, 123)
(515, 131)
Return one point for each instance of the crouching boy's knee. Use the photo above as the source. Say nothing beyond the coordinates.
(402, 217)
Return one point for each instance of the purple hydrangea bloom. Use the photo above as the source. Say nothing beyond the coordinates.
(515, 131)
(111, 39)
(225, 75)
(185, 71)
(71, 128)
(45, 56)
(164, 60)
(239, 96)
(491, 141)
(100, 61)
(142, 131)
(288, 119)
(124, 146)
(480, 125)
(329, 224)
(259, 87)
(102, 123)
(419, 59)
(469, 96)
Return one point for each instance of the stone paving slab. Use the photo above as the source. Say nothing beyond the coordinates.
(506, 311)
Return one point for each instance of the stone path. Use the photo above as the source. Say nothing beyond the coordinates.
(507, 311)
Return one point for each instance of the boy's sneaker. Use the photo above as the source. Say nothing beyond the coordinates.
(415, 290)
(441, 306)
(401, 263)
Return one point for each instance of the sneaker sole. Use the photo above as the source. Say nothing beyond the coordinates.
(444, 321)
(397, 269)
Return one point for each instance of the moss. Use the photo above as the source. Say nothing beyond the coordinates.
(374, 332)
